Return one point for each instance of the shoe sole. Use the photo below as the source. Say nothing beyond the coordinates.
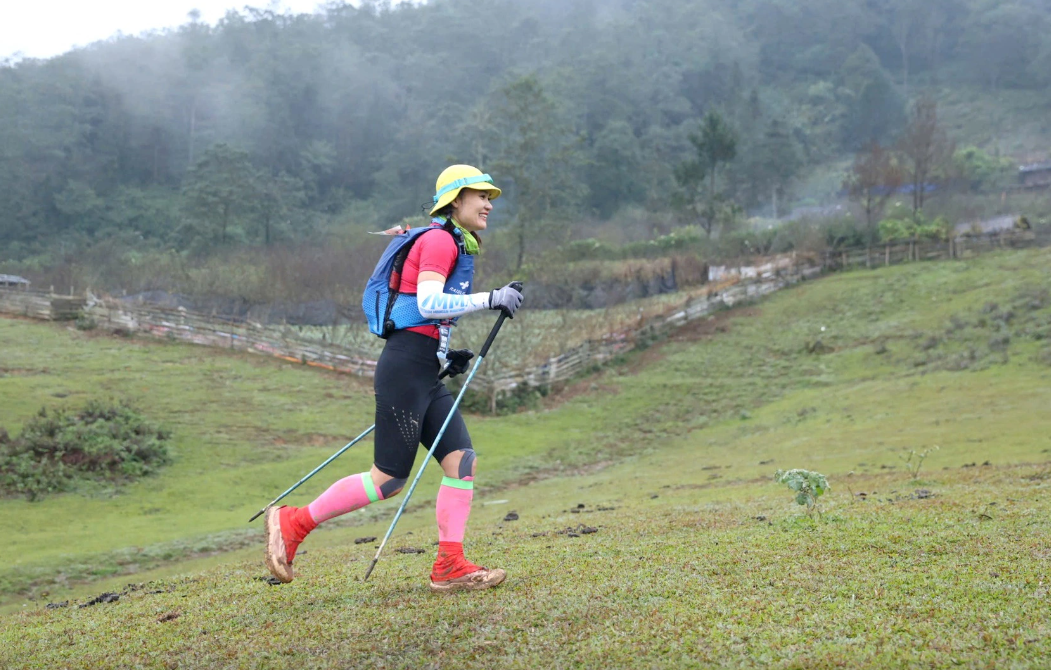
(276, 561)
(491, 579)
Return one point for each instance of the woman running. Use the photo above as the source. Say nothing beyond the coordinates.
(411, 402)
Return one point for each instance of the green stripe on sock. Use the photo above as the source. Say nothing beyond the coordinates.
(458, 483)
(370, 487)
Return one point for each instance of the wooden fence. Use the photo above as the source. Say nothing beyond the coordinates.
(910, 251)
(742, 284)
(214, 331)
(40, 304)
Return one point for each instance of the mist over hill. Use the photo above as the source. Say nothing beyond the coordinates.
(271, 128)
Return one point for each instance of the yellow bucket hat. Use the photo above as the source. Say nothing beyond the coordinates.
(456, 177)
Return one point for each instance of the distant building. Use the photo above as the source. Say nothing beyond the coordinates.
(14, 281)
(1037, 175)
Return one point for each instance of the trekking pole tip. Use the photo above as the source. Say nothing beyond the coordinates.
(369, 571)
(256, 515)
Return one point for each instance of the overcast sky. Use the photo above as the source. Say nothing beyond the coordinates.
(44, 28)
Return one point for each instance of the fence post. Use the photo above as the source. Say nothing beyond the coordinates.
(886, 256)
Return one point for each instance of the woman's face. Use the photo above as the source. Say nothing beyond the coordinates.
(471, 209)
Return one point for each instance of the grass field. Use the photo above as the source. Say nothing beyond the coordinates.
(697, 557)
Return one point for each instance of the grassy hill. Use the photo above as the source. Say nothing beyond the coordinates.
(696, 557)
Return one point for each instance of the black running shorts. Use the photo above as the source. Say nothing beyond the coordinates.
(411, 404)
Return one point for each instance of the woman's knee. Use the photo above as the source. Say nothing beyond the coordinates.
(468, 463)
(387, 485)
(460, 464)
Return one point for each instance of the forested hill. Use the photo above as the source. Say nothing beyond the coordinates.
(267, 126)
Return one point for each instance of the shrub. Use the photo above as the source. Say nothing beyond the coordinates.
(981, 171)
(918, 227)
(108, 442)
(85, 322)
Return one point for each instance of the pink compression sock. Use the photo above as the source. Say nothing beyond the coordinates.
(346, 495)
(453, 508)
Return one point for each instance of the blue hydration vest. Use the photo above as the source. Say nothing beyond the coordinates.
(388, 310)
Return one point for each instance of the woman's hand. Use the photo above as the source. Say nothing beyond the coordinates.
(508, 299)
(458, 360)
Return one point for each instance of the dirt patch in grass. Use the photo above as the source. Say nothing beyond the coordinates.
(22, 372)
(712, 325)
(586, 385)
(689, 333)
(300, 440)
(694, 331)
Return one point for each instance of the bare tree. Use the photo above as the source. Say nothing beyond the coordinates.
(873, 179)
(925, 148)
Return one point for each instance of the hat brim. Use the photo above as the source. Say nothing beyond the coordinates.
(446, 198)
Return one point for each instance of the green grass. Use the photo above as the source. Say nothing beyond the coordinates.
(681, 439)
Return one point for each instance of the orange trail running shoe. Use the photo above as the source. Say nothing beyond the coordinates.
(453, 572)
(285, 529)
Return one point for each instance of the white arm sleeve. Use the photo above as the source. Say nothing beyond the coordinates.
(434, 303)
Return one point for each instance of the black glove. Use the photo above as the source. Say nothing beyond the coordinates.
(508, 298)
(457, 361)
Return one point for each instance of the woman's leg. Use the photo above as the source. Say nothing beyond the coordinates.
(452, 571)
(402, 394)
(293, 524)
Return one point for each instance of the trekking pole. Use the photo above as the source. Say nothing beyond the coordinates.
(315, 471)
(331, 458)
(405, 501)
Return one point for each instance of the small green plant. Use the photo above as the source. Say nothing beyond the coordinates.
(914, 459)
(809, 486)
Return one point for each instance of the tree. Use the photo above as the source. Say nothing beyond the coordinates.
(873, 179)
(222, 190)
(716, 144)
(699, 194)
(978, 171)
(908, 22)
(80, 206)
(1001, 40)
(615, 174)
(770, 158)
(538, 154)
(778, 161)
(876, 110)
(360, 104)
(925, 149)
(278, 196)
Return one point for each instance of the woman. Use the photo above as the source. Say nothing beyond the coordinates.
(411, 402)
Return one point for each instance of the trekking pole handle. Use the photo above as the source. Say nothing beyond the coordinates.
(516, 285)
